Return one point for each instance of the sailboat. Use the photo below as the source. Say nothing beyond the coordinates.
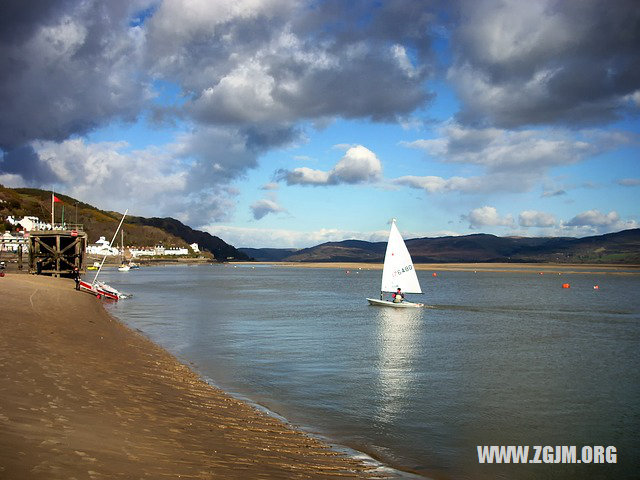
(101, 289)
(397, 272)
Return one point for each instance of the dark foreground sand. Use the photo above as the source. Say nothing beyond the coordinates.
(84, 397)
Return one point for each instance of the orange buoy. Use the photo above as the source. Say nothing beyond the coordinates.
(596, 287)
(566, 285)
(434, 274)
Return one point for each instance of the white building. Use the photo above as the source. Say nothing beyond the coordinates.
(176, 251)
(29, 223)
(101, 247)
(195, 248)
(9, 242)
(157, 251)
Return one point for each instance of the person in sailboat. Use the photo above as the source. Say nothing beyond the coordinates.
(398, 296)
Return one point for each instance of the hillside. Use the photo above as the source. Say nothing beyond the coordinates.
(622, 247)
(138, 231)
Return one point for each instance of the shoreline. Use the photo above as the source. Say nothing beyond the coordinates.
(85, 395)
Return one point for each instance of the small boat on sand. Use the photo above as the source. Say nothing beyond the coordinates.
(101, 289)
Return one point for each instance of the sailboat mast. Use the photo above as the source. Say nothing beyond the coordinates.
(115, 235)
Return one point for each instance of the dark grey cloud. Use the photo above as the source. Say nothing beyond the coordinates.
(280, 61)
(26, 162)
(67, 67)
(547, 62)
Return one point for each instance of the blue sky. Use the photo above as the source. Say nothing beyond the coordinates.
(274, 123)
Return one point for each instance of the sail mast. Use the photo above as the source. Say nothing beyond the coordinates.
(112, 240)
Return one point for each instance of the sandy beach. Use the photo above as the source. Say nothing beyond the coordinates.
(83, 396)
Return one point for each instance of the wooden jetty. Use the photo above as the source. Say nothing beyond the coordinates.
(57, 252)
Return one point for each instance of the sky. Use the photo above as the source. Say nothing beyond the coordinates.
(281, 123)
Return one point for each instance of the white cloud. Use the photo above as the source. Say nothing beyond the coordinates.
(594, 218)
(266, 206)
(595, 222)
(358, 165)
(501, 150)
(487, 216)
(533, 218)
(513, 161)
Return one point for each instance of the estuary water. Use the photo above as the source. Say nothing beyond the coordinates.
(497, 359)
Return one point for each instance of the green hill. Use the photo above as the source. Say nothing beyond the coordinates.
(138, 231)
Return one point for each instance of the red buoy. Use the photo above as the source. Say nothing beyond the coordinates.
(566, 285)
(596, 287)
(434, 274)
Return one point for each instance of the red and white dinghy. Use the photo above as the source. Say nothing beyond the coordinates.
(100, 289)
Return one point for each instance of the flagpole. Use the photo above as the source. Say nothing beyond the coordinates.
(52, 207)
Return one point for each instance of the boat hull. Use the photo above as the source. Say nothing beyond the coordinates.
(98, 289)
(385, 303)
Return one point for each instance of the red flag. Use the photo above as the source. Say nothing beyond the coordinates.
(56, 199)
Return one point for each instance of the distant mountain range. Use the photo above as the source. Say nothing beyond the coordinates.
(622, 247)
(138, 231)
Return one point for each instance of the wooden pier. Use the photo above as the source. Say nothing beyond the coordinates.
(57, 252)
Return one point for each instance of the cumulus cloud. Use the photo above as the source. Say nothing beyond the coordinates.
(501, 150)
(487, 216)
(266, 206)
(490, 183)
(358, 165)
(67, 68)
(280, 61)
(544, 62)
(594, 218)
(513, 161)
(533, 218)
(594, 221)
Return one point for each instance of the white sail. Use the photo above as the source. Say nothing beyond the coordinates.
(398, 271)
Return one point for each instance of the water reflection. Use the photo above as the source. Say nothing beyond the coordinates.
(398, 344)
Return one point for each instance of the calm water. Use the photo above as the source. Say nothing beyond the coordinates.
(500, 359)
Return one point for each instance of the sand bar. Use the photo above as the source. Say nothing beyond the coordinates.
(83, 396)
(467, 267)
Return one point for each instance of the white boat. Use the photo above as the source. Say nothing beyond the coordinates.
(101, 289)
(124, 268)
(397, 272)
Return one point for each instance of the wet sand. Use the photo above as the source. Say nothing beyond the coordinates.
(82, 396)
